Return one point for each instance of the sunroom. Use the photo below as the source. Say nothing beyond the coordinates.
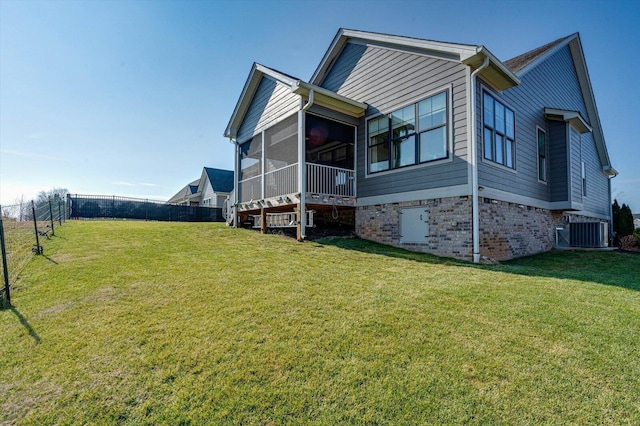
(295, 151)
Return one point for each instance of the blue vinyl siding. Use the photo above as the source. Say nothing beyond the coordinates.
(554, 84)
(597, 199)
(271, 103)
(557, 161)
(386, 80)
(575, 157)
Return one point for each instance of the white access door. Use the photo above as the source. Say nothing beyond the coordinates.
(414, 225)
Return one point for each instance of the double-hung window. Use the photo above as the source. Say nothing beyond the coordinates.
(411, 135)
(499, 132)
(542, 155)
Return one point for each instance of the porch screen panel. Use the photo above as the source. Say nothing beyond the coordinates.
(329, 142)
(251, 170)
(281, 156)
(251, 158)
(281, 144)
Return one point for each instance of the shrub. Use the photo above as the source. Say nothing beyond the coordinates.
(629, 242)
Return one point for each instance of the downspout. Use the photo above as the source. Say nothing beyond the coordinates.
(610, 209)
(302, 170)
(474, 165)
(234, 202)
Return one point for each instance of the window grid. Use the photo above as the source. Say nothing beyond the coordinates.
(499, 132)
(411, 135)
(542, 155)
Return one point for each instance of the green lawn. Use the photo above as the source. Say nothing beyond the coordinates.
(178, 323)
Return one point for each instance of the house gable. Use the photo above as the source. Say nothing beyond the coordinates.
(269, 96)
(527, 62)
(185, 194)
(220, 180)
(551, 96)
(474, 56)
(266, 97)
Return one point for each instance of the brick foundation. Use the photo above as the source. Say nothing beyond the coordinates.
(449, 226)
(507, 230)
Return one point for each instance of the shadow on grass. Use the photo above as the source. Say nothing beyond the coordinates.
(25, 324)
(608, 268)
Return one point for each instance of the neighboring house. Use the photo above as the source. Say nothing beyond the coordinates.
(187, 196)
(211, 190)
(382, 131)
(215, 186)
(636, 221)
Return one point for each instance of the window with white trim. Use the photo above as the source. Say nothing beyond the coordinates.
(415, 134)
(542, 155)
(499, 137)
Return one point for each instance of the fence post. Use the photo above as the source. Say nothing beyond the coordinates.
(7, 290)
(60, 211)
(53, 232)
(38, 248)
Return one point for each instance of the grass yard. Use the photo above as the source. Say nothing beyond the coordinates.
(182, 323)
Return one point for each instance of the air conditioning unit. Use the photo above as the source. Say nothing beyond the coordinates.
(589, 234)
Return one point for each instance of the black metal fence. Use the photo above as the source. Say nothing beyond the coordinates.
(113, 207)
(24, 228)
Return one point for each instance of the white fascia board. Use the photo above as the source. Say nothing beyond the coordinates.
(241, 106)
(507, 78)
(460, 51)
(540, 59)
(334, 49)
(587, 93)
(253, 80)
(572, 117)
(497, 63)
(278, 76)
(351, 107)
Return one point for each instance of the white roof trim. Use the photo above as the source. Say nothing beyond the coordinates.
(336, 101)
(497, 74)
(249, 89)
(572, 117)
(327, 98)
(545, 55)
(580, 64)
(467, 54)
(461, 51)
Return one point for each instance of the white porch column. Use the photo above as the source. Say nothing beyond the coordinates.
(302, 171)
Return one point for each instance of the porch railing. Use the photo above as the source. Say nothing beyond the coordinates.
(282, 181)
(250, 189)
(330, 180)
(326, 180)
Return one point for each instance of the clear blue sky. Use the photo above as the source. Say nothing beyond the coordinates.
(132, 97)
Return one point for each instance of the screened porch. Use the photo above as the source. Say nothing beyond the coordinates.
(269, 173)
